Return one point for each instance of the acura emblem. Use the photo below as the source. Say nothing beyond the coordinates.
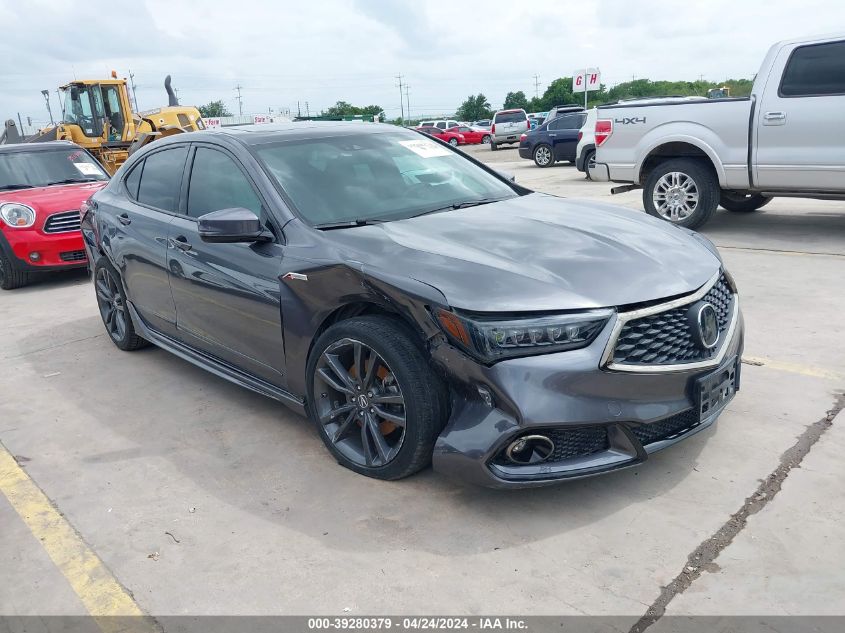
(704, 324)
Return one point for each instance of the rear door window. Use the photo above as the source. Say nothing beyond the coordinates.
(161, 179)
(815, 70)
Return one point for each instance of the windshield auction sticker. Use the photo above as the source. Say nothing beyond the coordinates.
(425, 148)
(88, 169)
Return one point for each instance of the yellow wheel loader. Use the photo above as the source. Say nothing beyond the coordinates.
(98, 115)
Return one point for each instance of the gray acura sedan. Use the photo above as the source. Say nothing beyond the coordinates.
(417, 305)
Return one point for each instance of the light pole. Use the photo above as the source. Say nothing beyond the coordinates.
(46, 94)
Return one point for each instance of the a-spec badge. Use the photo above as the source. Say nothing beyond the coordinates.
(299, 276)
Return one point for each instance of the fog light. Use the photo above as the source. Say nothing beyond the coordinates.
(531, 449)
(34, 257)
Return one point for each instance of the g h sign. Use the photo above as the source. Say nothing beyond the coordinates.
(586, 79)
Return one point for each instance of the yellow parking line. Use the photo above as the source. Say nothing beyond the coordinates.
(794, 368)
(98, 590)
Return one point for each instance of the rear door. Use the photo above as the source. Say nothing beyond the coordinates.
(227, 295)
(143, 209)
(800, 120)
(563, 133)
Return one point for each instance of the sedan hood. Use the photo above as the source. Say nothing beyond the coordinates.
(537, 253)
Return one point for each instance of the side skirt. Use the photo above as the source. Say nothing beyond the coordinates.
(215, 366)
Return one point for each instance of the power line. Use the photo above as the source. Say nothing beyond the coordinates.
(401, 102)
(240, 101)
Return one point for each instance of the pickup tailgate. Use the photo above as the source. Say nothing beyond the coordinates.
(717, 127)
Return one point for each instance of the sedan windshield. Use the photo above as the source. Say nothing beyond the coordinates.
(39, 168)
(376, 177)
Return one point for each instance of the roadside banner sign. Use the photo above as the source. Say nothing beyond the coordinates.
(586, 79)
(211, 122)
(260, 119)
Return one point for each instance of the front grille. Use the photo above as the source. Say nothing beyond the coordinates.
(64, 222)
(665, 338)
(72, 256)
(666, 429)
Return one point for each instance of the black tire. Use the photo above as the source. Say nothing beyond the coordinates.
(589, 158)
(114, 310)
(11, 277)
(544, 155)
(485, 139)
(739, 202)
(425, 397)
(703, 182)
(453, 142)
(493, 146)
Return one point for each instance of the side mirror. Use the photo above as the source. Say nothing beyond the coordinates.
(228, 226)
(506, 175)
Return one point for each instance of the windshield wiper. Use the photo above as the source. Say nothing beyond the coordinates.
(15, 186)
(329, 226)
(70, 181)
(459, 205)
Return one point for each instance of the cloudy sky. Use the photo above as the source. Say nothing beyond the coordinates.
(321, 51)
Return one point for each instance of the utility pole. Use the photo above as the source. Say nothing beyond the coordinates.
(132, 85)
(298, 110)
(240, 101)
(307, 110)
(401, 100)
(46, 94)
(536, 86)
(408, 100)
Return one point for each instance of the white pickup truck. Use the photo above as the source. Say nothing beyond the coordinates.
(689, 157)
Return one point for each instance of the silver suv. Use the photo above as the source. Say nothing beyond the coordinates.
(507, 127)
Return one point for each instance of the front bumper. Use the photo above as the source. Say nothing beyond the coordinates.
(56, 251)
(562, 393)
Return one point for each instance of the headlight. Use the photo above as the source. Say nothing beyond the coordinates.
(17, 215)
(490, 338)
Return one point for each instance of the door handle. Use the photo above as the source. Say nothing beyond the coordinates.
(181, 242)
(124, 219)
(774, 116)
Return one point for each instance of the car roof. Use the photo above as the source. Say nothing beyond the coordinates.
(48, 146)
(274, 132)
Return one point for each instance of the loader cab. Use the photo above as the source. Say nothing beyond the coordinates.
(99, 109)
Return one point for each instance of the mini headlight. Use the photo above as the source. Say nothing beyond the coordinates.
(17, 215)
(490, 338)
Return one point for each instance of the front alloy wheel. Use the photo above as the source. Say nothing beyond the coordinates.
(453, 142)
(360, 404)
(543, 156)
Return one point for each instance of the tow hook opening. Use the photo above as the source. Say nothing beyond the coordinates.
(530, 449)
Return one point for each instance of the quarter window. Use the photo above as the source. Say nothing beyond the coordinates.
(133, 180)
(814, 71)
(218, 183)
(162, 178)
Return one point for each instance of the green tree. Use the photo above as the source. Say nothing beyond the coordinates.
(342, 108)
(474, 108)
(559, 92)
(516, 100)
(214, 109)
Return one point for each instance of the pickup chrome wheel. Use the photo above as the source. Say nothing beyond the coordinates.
(543, 156)
(374, 398)
(682, 191)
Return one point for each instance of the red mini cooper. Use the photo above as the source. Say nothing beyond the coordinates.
(42, 186)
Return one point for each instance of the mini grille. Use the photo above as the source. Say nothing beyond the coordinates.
(64, 222)
(667, 428)
(665, 338)
(578, 442)
(72, 256)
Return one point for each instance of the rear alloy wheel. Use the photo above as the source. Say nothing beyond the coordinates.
(589, 162)
(376, 402)
(681, 191)
(485, 139)
(114, 311)
(453, 142)
(11, 277)
(739, 202)
(543, 156)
